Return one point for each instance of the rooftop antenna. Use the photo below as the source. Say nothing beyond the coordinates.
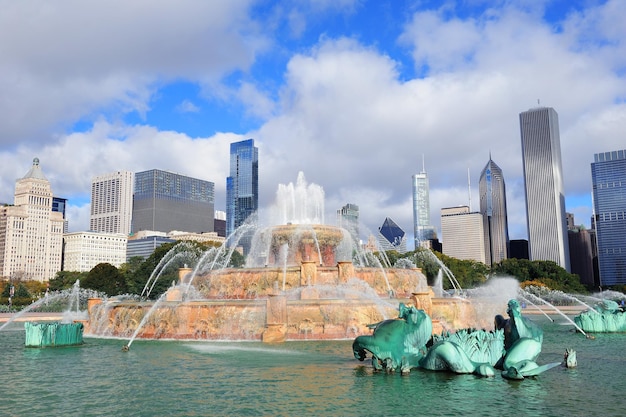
(423, 164)
(469, 190)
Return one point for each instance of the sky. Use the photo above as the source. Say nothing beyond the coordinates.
(358, 95)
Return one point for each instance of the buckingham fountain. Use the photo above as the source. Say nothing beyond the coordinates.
(303, 280)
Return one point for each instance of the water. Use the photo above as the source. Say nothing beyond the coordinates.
(296, 378)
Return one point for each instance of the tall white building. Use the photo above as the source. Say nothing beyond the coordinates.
(543, 182)
(112, 202)
(84, 250)
(462, 234)
(422, 229)
(493, 208)
(31, 234)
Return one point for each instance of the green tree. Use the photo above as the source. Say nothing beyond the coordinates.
(64, 280)
(548, 273)
(106, 278)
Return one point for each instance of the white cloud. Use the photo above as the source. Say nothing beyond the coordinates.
(345, 115)
(68, 59)
(187, 106)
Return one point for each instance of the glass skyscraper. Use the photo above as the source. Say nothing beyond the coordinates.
(164, 201)
(543, 183)
(493, 209)
(348, 218)
(422, 229)
(608, 177)
(242, 186)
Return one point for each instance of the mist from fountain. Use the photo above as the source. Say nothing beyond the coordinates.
(144, 320)
(70, 298)
(569, 320)
(182, 251)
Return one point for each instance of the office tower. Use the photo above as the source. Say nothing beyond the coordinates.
(164, 201)
(112, 202)
(422, 229)
(84, 250)
(348, 218)
(143, 244)
(391, 236)
(493, 209)
(31, 234)
(59, 204)
(543, 182)
(220, 223)
(242, 186)
(608, 178)
(463, 234)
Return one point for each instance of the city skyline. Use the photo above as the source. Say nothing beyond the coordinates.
(351, 93)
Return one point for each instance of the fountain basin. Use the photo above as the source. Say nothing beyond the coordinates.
(53, 334)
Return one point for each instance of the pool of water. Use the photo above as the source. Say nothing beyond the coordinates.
(177, 378)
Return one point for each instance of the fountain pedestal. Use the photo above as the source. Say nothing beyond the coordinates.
(276, 319)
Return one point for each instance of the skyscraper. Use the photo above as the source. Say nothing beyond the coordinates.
(164, 201)
(543, 182)
(608, 178)
(422, 229)
(463, 234)
(112, 202)
(242, 186)
(348, 218)
(31, 234)
(391, 236)
(493, 209)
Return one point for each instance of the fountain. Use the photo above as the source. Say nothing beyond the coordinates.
(66, 332)
(406, 343)
(605, 317)
(299, 282)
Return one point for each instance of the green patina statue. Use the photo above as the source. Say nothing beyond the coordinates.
(522, 344)
(605, 317)
(396, 344)
(405, 343)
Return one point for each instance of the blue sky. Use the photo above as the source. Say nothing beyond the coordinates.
(352, 93)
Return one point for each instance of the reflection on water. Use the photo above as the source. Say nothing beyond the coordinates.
(295, 378)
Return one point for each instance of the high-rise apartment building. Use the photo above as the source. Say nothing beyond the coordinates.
(348, 218)
(543, 182)
(492, 192)
(242, 186)
(164, 201)
(422, 229)
(31, 234)
(462, 233)
(608, 178)
(112, 202)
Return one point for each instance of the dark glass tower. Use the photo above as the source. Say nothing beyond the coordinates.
(608, 178)
(242, 186)
(164, 201)
(493, 208)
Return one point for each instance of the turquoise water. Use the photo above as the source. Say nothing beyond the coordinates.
(175, 378)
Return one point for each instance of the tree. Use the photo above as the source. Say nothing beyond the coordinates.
(106, 278)
(547, 272)
(64, 280)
